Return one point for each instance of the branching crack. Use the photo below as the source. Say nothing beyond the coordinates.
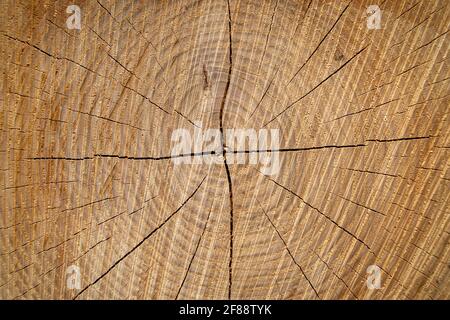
(316, 86)
(321, 41)
(140, 242)
(287, 249)
(320, 212)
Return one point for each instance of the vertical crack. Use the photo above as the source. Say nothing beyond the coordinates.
(224, 154)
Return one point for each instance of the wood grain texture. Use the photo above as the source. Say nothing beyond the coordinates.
(86, 176)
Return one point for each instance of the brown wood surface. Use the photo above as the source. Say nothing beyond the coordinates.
(86, 177)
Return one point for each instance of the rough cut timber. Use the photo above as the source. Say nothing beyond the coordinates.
(87, 178)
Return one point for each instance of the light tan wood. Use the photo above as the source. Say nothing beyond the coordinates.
(86, 175)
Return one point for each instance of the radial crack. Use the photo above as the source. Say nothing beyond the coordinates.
(316, 86)
(321, 41)
(267, 36)
(320, 212)
(140, 242)
(193, 256)
(288, 251)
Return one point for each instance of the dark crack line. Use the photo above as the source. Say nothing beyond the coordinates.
(109, 12)
(412, 68)
(102, 155)
(230, 190)
(318, 85)
(186, 118)
(287, 249)
(276, 72)
(140, 242)
(193, 256)
(407, 10)
(59, 27)
(84, 67)
(267, 36)
(111, 218)
(361, 205)
(363, 110)
(424, 20)
(54, 246)
(89, 204)
(40, 184)
(265, 93)
(26, 291)
(143, 206)
(304, 16)
(299, 149)
(320, 212)
(205, 77)
(22, 268)
(99, 36)
(120, 64)
(369, 171)
(90, 248)
(52, 55)
(106, 119)
(60, 158)
(320, 43)
(429, 42)
(224, 151)
(400, 139)
(11, 226)
(222, 138)
(148, 99)
(153, 47)
(26, 96)
(335, 274)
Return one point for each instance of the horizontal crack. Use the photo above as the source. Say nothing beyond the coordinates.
(102, 155)
(225, 151)
(299, 149)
